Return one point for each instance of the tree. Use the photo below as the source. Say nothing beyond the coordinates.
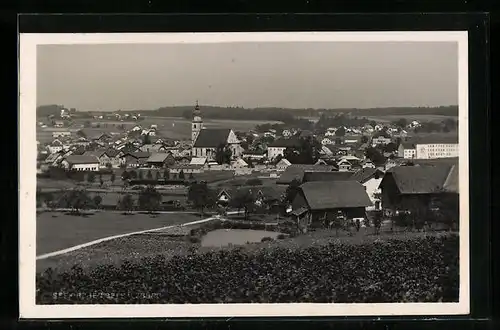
(364, 139)
(149, 175)
(243, 199)
(377, 221)
(149, 199)
(166, 174)
(181, 175)
(109, 166)
(158, 176)
(402, 122)
(201, 196)
(126, 203)
(191, 176)
(101, 181)
(307, 151)
(340, 131)
(254, 182)
(141, 175)
(77, 199)
(375, 156)
(291, 191)
(250, 163)
(223, 154)
(133, 174)
(373, 123)
(125, 176)
(91, 177)
(112, 178)
(146, 139)
(97, 201)
(390, 147)
(336, 221)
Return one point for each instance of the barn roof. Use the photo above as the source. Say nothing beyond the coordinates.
(212, 137)
(322, 195)
(81, 159)
(327, 176)
(366, 174)
(423, 179)
(297, 171)
(157, 157)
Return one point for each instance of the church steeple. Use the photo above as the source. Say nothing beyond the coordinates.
(197, 123)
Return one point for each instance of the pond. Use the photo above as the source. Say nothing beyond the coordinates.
(224, 237)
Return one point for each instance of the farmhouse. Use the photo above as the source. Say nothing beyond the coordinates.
(107, 157)
(160, 160)
(283, 164)
(136, 159)
(81, 163)
(344, 165)
(55, 146)
(58, 134)
(278, 147)
(316, 202)
(406, 187)
(370, 178)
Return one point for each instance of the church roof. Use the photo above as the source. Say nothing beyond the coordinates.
(211, 137)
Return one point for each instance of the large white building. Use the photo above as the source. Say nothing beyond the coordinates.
(81, 163)
(278, 147)
(430, 148)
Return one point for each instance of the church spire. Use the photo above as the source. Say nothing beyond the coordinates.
(196, 111)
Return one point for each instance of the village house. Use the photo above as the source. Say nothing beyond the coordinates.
(380, 140)
(407, 187)
(317, 202)
(278, 147)
(367, 163)
(135, 159)
(370, 178)
(286, 133)
(81, 163)
(344, 165)
(58, 134)
(55, 146)
(326, 141)
(107, 157)
(160, 160)
(282, 165)
(407, 150)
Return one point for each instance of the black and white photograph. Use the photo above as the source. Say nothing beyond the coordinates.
(243, 174)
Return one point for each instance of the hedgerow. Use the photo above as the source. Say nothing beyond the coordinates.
(423, 269)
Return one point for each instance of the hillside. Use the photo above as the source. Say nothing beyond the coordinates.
(273, 114)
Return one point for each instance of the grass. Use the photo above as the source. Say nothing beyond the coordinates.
(67, 231)
(223, 237)
(56, 231)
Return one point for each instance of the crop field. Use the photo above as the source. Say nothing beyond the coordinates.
(57, 231)
(409, 118)
(423, 268)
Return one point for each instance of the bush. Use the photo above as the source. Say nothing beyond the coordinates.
(281, 236)
(194, 239)
(267, 239)
(421, 270)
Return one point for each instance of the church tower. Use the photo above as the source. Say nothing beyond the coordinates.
(197, 123)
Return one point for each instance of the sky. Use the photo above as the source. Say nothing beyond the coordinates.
(289, 75)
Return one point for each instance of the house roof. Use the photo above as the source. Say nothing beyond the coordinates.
(82, 159)
(284, 162)
(297, 171)
(322, 195)
(211, 137)
(157, 157)
(112, 152)
(408, 145)
(198, 161)
(423, 179)
(139, 154)
(327, 176)
(366, 174)
(292, 142)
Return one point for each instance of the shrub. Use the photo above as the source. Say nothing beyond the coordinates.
(281, 236)
(267, 239)
(423, 269)
(194, 239)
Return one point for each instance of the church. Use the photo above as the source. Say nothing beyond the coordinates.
(206, 140)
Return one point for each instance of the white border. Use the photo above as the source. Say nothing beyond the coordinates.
(27, 183)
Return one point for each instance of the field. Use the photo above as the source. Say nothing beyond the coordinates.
(409, 118)
(174, 128)
(422, 268)
(57, 231)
